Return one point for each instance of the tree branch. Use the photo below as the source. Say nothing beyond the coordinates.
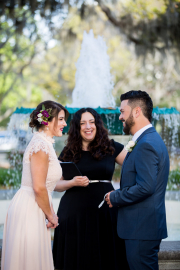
(6, 114)
(17, 77)
(160, 33)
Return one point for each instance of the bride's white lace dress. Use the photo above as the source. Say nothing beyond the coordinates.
(26, 239)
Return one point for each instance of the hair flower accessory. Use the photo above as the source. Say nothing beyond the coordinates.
(44, 115)
(130, 146)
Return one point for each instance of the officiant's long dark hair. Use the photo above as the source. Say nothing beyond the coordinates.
(99, 147)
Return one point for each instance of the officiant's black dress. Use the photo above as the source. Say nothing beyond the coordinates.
(86, 238)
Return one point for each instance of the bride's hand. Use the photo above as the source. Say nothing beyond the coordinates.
(52, 221)
(52, 210)
(81, 181)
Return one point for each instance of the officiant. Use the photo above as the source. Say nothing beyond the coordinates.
(85, 232)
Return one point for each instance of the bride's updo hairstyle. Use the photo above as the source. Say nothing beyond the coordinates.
(48, 104)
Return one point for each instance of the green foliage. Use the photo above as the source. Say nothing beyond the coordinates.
(174, 180)
(4, 122)
(12, 177)
(143, 10)
(149, 24)
(3, 174)
(16, 53)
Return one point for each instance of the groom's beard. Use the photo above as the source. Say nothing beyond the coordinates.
(129, 123)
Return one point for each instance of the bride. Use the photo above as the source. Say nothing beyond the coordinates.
(27, 237)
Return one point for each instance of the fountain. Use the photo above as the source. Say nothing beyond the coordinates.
(94, 82)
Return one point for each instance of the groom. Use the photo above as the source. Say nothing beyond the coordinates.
(141, 197)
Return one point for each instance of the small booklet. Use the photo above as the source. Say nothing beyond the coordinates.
(69, 170)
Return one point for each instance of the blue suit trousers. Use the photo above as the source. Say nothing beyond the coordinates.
(142, 254)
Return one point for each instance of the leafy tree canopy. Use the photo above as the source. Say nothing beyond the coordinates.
(58, 63)
(16, 53)
(150, 24)
(135, 31)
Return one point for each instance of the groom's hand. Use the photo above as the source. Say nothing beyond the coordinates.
(107, 199)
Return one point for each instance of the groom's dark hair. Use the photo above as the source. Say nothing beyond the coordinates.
(141, 99)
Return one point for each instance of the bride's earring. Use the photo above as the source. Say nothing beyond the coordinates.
(47, 128)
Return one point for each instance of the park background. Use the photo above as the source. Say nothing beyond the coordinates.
(41, 40)
(40, 43)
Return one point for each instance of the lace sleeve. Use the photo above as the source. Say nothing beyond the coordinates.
(37, 145)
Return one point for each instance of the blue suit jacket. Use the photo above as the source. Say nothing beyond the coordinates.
(141, 197)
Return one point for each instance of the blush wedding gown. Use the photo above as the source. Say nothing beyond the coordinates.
(26, 239)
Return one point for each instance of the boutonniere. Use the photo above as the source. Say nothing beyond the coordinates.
(130, 146)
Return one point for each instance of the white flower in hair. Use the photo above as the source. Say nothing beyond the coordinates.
(40, 119)
(44, 115)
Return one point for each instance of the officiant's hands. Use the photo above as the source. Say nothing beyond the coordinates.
(107, 199)
(81, 181)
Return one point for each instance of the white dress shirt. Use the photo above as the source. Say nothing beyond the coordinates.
(139, 132)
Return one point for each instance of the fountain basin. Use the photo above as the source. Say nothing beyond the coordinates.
(110, 117)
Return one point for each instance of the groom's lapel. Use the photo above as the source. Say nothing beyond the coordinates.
(128, 153)
(149, 130)
(124, 162)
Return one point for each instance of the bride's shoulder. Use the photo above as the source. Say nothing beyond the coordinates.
(37, 143)
(44, 136)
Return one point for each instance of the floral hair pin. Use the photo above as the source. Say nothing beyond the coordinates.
(130, 146)
(44, 115)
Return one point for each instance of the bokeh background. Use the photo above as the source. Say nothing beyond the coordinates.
(40, 43)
